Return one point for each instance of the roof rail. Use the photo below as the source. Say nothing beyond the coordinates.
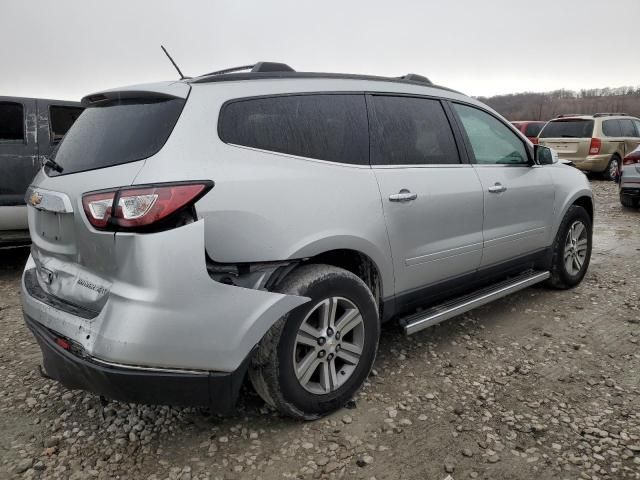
(610, 114)
(271, 67)
(414, 77)
(565, 115)
(256, 67)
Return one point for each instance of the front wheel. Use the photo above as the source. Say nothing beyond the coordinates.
(315, 358)
(571, 251)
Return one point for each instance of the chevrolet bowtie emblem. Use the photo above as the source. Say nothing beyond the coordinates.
(35, 199)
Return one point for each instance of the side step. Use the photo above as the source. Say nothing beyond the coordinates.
(457, 306)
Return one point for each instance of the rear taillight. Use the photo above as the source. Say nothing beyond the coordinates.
(141, 206)
(633, 157)
(595, 146)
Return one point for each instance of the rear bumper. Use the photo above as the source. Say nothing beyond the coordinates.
(14, 238)
(132, 384)
(160, 310)
(592, 163)
(630, 181)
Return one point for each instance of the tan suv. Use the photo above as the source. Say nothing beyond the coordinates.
(594, 143)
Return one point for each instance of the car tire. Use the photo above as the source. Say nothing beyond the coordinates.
(628, 202)
(571, 250)
(278, 370)
(613, 169)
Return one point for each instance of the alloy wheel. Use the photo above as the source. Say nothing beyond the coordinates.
(328, 345)
(575, 248)
(613, 169)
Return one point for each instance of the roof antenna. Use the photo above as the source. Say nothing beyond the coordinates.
(182, 77)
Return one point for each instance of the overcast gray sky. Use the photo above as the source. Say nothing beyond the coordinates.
(69, 48)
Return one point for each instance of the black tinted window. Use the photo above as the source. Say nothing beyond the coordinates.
(325, 127)
(568, 129)
(409, 131)
(11, 122)
(627, 128)
(611, 128)
(60, 120)
(533, 129)
(117, 132)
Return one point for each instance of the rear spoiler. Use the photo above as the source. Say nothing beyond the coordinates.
(166, 90)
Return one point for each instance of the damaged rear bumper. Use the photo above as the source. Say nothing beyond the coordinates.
(162, 314)
(130, 384)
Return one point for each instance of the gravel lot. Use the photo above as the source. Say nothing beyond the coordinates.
(542, 384)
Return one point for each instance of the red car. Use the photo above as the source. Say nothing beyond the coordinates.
(530, 129)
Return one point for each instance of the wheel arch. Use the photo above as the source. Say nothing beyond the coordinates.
(355, 254)
(582, 198)
(355, 262)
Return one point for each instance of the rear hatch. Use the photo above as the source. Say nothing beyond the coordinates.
(105, 148)
(570, 137)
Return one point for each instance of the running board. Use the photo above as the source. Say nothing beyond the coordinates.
(457, 306)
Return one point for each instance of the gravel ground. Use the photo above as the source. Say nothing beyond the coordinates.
(542, 384)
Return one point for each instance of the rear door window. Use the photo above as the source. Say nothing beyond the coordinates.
(330, 127)
(410, 131)
(116, 132)
(627, 128)
(637, 125)
(578, 128)
(492, 141)
(11, 122)
(60, 120)
(611, 128)
(533, 129)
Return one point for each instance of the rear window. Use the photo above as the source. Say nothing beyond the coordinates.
(324, 127)
(60, 120)
(11, 122)
(628, 130)
(116, 132)
(611, 128)
(533, 129)
(568, 129)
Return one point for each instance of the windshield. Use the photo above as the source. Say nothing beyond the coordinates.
(577, 128)
(116, 132)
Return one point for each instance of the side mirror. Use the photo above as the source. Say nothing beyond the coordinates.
(545, 155)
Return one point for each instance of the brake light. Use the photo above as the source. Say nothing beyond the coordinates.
(595, 146)
(633, 157)
(131, 208)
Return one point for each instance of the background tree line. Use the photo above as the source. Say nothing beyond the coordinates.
(543, 106)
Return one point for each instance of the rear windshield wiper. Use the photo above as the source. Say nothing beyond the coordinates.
(53, 164)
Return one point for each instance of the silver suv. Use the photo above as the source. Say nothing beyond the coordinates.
(189, 234)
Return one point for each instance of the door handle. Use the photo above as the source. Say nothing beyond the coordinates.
(497, 188)
(403, 195)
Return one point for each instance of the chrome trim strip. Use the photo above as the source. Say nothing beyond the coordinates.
(297, 157)
(147, 369)
(423, 165)
(515, 236)
(458, 306)
(47, 200)
(452, 252)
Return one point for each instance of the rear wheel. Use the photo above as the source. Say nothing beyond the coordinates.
(612, 171)
(315, 358)
(628, 201)
(571, 249)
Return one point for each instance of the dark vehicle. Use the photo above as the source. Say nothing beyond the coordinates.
(530, 129)
(30, 128)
